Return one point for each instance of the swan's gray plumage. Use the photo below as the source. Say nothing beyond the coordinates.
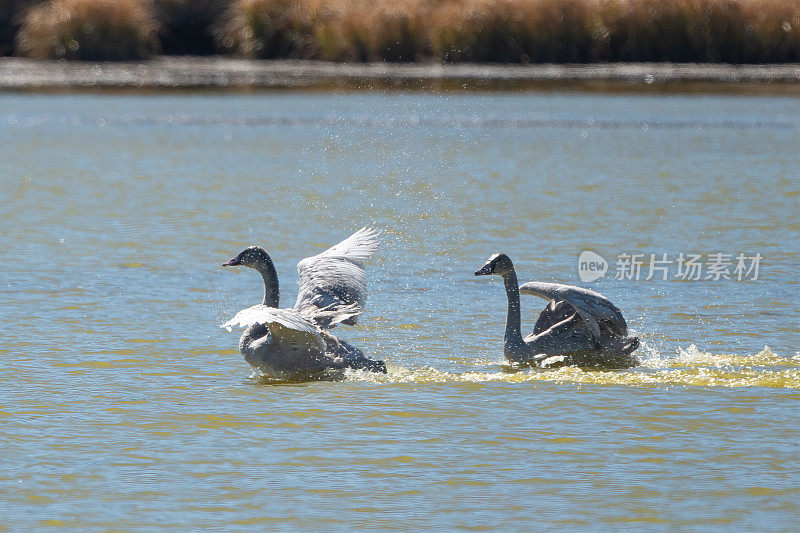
(578, 324)
(595, 309)
(332, 290)
(553, 313)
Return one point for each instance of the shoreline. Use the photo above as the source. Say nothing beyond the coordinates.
(189, 72)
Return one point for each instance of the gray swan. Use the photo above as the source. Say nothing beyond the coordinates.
(578, 327)
(333, 290)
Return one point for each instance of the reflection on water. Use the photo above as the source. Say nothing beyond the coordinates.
(124, 406)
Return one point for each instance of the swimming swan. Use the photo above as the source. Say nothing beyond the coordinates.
(333, 290)
(579, 326)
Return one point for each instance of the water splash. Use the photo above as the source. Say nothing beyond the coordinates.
(692, 367)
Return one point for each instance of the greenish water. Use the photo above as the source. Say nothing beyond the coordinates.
(123, 405)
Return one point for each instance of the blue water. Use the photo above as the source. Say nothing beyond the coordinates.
(124, 406)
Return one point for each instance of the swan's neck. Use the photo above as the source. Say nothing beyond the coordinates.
(271, 290)
(513, 335)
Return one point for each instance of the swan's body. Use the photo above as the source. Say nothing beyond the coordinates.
(578, 326)
(333, 290)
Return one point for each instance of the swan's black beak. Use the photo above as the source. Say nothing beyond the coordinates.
(233, 262)
(485, 270)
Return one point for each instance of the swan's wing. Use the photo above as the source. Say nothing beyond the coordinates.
(298, 342)
(551, 315)
(289, 329)
(264, 314)
(594, 308)
(333, 284)
(358, 247)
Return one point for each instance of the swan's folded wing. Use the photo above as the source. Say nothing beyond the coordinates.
(333, 284)
(301, 342)
(594, 308)
(551, 315)
(289, 329)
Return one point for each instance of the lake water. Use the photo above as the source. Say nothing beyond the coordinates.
(123, 405)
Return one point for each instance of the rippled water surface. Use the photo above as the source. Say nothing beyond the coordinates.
(123, 406)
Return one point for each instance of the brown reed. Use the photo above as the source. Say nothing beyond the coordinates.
(732, 31)
(517, 31)
(512, 31)
(89, 29)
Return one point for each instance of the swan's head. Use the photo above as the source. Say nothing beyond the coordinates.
(249, 257)
(497, 264)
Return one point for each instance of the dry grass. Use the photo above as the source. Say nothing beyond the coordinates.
(517, 31)
(269, 28)
(336, 30)
(514, 31)
(373, 31)
(89, 29)
(734, 31)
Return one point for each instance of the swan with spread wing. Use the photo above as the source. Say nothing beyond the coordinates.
(578, 327)
(333, 290)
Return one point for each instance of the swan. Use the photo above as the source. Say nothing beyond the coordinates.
(579, 326)
(333, 290)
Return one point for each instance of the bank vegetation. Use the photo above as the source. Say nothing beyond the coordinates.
(448, 31)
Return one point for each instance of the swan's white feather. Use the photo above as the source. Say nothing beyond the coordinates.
(333, 284)
(263, 314)
(357, 247)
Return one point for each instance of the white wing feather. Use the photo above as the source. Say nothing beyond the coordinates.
(333, 284)
(289, 329)
(357, 247)
(263, 314)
